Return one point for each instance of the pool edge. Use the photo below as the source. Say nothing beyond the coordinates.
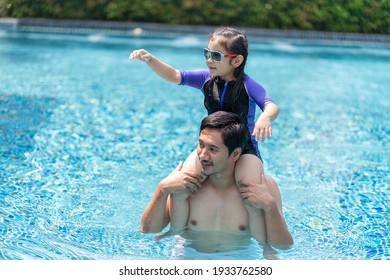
(137, 29)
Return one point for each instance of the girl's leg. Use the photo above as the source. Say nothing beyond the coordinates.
(248, 169)
(192, 164)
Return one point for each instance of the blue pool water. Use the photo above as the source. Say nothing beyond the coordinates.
(86, 135)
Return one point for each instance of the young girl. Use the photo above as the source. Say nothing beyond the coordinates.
(226, 87)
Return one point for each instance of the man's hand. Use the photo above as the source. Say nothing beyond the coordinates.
(263, 203)
(257, 195)
(179, 183)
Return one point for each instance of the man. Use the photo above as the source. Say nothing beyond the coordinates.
(217, 204)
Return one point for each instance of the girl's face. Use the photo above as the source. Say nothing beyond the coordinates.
(225, 68)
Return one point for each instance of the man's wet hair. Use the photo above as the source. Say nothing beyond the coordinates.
(233, 132)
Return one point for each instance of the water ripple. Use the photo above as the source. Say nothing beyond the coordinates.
(82, 149)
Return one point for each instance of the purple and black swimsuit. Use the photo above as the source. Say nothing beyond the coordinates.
(220, 99)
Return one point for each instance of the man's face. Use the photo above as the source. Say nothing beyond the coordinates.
(212, 152)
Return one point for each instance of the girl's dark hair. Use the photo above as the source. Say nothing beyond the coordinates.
(234, 41)
(233, 132)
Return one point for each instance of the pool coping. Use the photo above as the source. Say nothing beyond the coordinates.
(137, 29)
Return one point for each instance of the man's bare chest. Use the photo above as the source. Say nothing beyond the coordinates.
(216, 211)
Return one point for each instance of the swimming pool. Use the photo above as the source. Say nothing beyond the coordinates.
(86, 135)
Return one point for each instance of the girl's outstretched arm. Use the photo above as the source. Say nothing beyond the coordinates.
(162, 69)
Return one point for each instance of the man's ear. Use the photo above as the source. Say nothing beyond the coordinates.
(236, 154)
(238, 60)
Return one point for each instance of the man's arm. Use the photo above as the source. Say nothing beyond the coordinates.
(264, 205)
(179, 210)
(156, 215)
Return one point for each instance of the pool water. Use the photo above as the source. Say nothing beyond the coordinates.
(86, 135)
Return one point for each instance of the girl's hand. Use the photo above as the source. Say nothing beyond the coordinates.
(262, 128)
(141, 55)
